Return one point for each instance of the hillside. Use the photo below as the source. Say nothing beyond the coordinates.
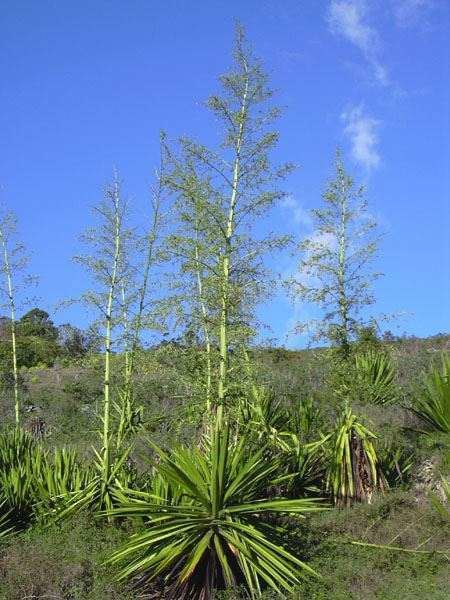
(65, 561)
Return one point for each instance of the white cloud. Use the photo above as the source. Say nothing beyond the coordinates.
(361, 129)
(299, 214)
(409, 12)
(349, 19)
(346, 17)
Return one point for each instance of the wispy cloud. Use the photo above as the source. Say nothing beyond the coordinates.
(300, 215)
(349, 19)
(410, 12)
(362, 131)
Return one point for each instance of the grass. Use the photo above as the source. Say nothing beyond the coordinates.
(66, 562)
(355, 572)
(63, 562)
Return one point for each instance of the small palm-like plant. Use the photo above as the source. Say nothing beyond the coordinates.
(376, 376)
(209, 527)
(34, 482)
(353, 471)
(432, 405)
(264, 416)
(96, 490)
(61, 476)
(18, 493)
(305, 464)
(21, 462)
(395, 462)
(16, 447)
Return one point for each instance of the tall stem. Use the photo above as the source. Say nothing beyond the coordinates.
(343, 304)
(12, 309)
(132, 335)
(223, 326)
(108, 331)
(125, 408)
(205, 328)
(151, 242)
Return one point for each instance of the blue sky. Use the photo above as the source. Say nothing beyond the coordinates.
(87, 85)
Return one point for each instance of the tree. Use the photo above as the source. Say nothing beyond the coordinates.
(36, 339)
(13, 268)
(192, 246)
(35, 344)
(37, 323)
(221, 194)
(73, 342)
(335, 268)
(139, 293)
(106, 265)
(121, 299)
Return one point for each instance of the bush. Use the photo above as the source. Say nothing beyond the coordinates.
(432, 405)
(208, 525)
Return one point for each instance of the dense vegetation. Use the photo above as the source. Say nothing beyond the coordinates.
(203, 465)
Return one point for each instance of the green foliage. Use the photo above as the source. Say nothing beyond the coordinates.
(305, 464)
(376, 377)
(357, 572)
(34, 481)
(62, 475)
(220, 193)
(37, 323)
(395, 461)
(97, 490)
(5, 527)
(16, 447)
(36, 484)
(366, 376)
(305, 417)
(31, 351)
(335, 262)
(432, 405)
(287, 433)
(214, 529)
(353, 472)
(264, 415)
(223, 515)
(20, 463)
(36, 338)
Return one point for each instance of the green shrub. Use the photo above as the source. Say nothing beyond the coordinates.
(208, 526)
(353, 472)
(33, 481)
(396, 461)
(375, 376)
(432, 405)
